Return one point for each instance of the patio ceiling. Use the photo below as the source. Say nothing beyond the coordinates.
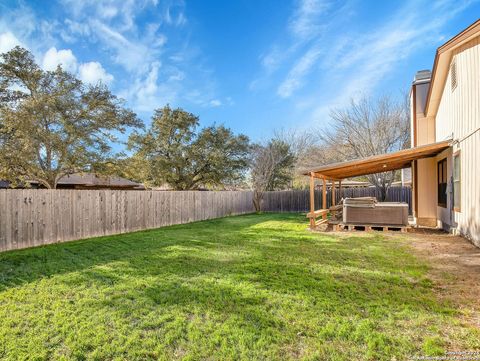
(378, 163)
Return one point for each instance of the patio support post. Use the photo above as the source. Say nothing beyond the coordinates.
(312, 200)
(333, 193)
(324, 197)
(340, 188)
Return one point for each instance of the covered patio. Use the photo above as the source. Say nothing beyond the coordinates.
(337, 172)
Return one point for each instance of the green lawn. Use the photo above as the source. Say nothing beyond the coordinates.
(248, 287)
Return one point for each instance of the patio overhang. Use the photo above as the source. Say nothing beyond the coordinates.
(370, 165)
(378, 163)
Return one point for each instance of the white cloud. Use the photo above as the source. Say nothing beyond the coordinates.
(93, 72)
(64, 57)
(150, 74)
(272, 59)
(133, 56)
(305, 27)
(298, 72)
(107, 11)
(333, 62)
(8, 41)
(90, 72)
(367, 60)
(306, 20)
(123, 13)
(215, 103)
(148, 92)
(174, 17)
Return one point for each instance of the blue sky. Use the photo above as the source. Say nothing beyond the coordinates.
(254, 66)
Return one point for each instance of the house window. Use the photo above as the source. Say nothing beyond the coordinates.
(442, 182)
(457, 192)
(453, 75)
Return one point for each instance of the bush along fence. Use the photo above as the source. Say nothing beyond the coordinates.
(299, 200)
(35, 217)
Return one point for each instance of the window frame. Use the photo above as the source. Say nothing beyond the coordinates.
(444, 177)
(456, 155)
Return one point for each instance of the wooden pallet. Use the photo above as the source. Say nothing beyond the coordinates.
(369, 227)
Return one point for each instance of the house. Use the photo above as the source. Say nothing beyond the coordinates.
(445, 105)
(88, 181)
(445, 150)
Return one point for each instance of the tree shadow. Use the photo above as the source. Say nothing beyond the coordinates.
(256, 277)
(28, 265)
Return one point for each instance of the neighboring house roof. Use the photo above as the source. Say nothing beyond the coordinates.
(94, 180)
(441, 66)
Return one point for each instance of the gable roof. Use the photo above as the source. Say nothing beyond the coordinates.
(441, 66)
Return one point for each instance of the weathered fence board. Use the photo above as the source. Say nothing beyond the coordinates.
(33, 217)
(299, 201)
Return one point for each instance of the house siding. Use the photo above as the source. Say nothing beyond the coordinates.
(425, 205)
(458, 117)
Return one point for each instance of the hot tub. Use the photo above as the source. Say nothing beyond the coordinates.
(371, 213)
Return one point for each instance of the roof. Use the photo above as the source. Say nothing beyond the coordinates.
(378, 163)
(94, 180)
(441, 66)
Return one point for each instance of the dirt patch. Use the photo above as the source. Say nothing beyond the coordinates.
(455, 269)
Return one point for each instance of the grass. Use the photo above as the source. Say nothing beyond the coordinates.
(247, 287)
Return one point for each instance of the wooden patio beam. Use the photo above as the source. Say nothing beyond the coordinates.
(323, 176)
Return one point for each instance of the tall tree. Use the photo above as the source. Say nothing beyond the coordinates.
(51, 124)
(272, 168)
(304, 146)
(370, 127)
(185, 158)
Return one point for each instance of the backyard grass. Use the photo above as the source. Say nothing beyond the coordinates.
(247, 287)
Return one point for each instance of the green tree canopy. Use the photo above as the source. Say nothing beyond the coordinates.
(51, 124)
(185, 158)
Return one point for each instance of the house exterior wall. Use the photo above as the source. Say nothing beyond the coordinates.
(425, 185)
(458, 117)
(425, 126)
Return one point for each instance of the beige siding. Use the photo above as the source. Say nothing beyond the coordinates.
(427, 192)
(458, 116)
(426, 210)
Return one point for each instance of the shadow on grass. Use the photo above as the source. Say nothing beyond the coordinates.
(28, 265)
(236, 248)
(269, 281)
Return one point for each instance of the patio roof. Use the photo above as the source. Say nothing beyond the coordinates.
(378, 163)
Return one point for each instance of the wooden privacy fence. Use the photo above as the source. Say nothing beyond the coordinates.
(299, 200)
(35, 217)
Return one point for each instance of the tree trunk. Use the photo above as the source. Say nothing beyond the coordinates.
(257, 200)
